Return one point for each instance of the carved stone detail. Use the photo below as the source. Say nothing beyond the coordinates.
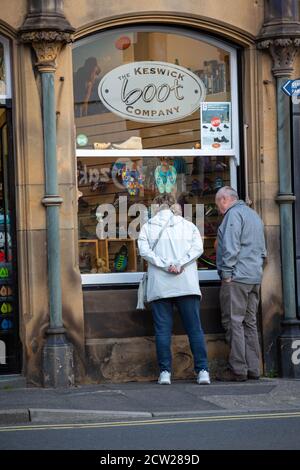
(48, 36)
(47, 46)
(283, 52)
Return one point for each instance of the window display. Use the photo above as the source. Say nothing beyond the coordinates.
(156, 112)
(125, 187)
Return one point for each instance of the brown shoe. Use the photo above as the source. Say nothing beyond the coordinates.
(253, 377)
(230, 376)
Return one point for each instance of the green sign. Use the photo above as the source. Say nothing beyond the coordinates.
(82, 140)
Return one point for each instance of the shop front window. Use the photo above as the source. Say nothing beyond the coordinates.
(156, 112)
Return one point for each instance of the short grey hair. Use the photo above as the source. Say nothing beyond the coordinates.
(166, 201)
(227, 192)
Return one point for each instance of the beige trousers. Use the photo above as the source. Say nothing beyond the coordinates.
(239, 304)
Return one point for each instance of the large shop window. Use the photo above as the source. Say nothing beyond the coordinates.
(156, 111)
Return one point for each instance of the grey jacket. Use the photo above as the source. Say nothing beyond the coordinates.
(241, 245)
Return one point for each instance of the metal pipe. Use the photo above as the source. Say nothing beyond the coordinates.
(285, 199)
(51, 200)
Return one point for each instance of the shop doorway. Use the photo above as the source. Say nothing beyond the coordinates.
(9, 328)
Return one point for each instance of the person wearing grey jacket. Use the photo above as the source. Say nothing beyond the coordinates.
(241, 252)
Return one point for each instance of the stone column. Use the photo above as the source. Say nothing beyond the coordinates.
(47, 31)
(281, 38)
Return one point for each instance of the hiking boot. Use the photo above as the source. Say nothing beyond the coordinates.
(164, 378)
(229, 376)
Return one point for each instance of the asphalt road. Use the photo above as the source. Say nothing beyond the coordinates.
(278, 430)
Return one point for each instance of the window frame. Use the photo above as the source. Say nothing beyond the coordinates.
(233, 153)
(6, 49)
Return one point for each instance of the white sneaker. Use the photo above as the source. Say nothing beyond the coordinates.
(164, 378)
(203, 377)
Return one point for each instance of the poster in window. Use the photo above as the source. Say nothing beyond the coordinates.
(216, 126)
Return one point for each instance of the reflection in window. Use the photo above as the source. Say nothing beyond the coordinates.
(124, 189)
(97, 127)
(2, 71)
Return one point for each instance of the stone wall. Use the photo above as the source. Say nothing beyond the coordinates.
(238, 20)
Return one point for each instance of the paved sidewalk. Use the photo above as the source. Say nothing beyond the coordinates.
(148, 400)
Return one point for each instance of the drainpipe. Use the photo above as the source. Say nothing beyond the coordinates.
(280, 36)
(47, 30)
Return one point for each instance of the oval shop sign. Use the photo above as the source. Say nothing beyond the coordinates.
(151, 91)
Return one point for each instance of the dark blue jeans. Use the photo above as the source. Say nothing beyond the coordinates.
(189, 310)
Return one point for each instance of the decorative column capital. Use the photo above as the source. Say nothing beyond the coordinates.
(47, 46)
(47, 29)
(283, 52)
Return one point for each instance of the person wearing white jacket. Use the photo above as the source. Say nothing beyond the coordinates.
(173, 280)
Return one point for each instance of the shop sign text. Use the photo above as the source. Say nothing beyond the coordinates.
(151, 91)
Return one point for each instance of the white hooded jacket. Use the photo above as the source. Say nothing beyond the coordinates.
(179, 245)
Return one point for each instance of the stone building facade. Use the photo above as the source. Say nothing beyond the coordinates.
(63, 312)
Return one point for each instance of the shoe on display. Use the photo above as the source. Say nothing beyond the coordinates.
(205, 127)
(133, 143)
(180, 165)
(218, 129)
(164, 378)
(211, 130)
(207, 164)
(207, 187)
(196, 188)
(4, 273)
(221, 166)
(226, 127)
(197, 166)
(218, 184)
(165, 180)
(203, 377)
(98, 186)
(211, 211)
(6, 324)
(216, 139)
(6, 308)
(121, 259)
(133, 180)
(5, 291)
(101, 145)
(82, 203)
(210, 228)
(208, 260)
(224, 139)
